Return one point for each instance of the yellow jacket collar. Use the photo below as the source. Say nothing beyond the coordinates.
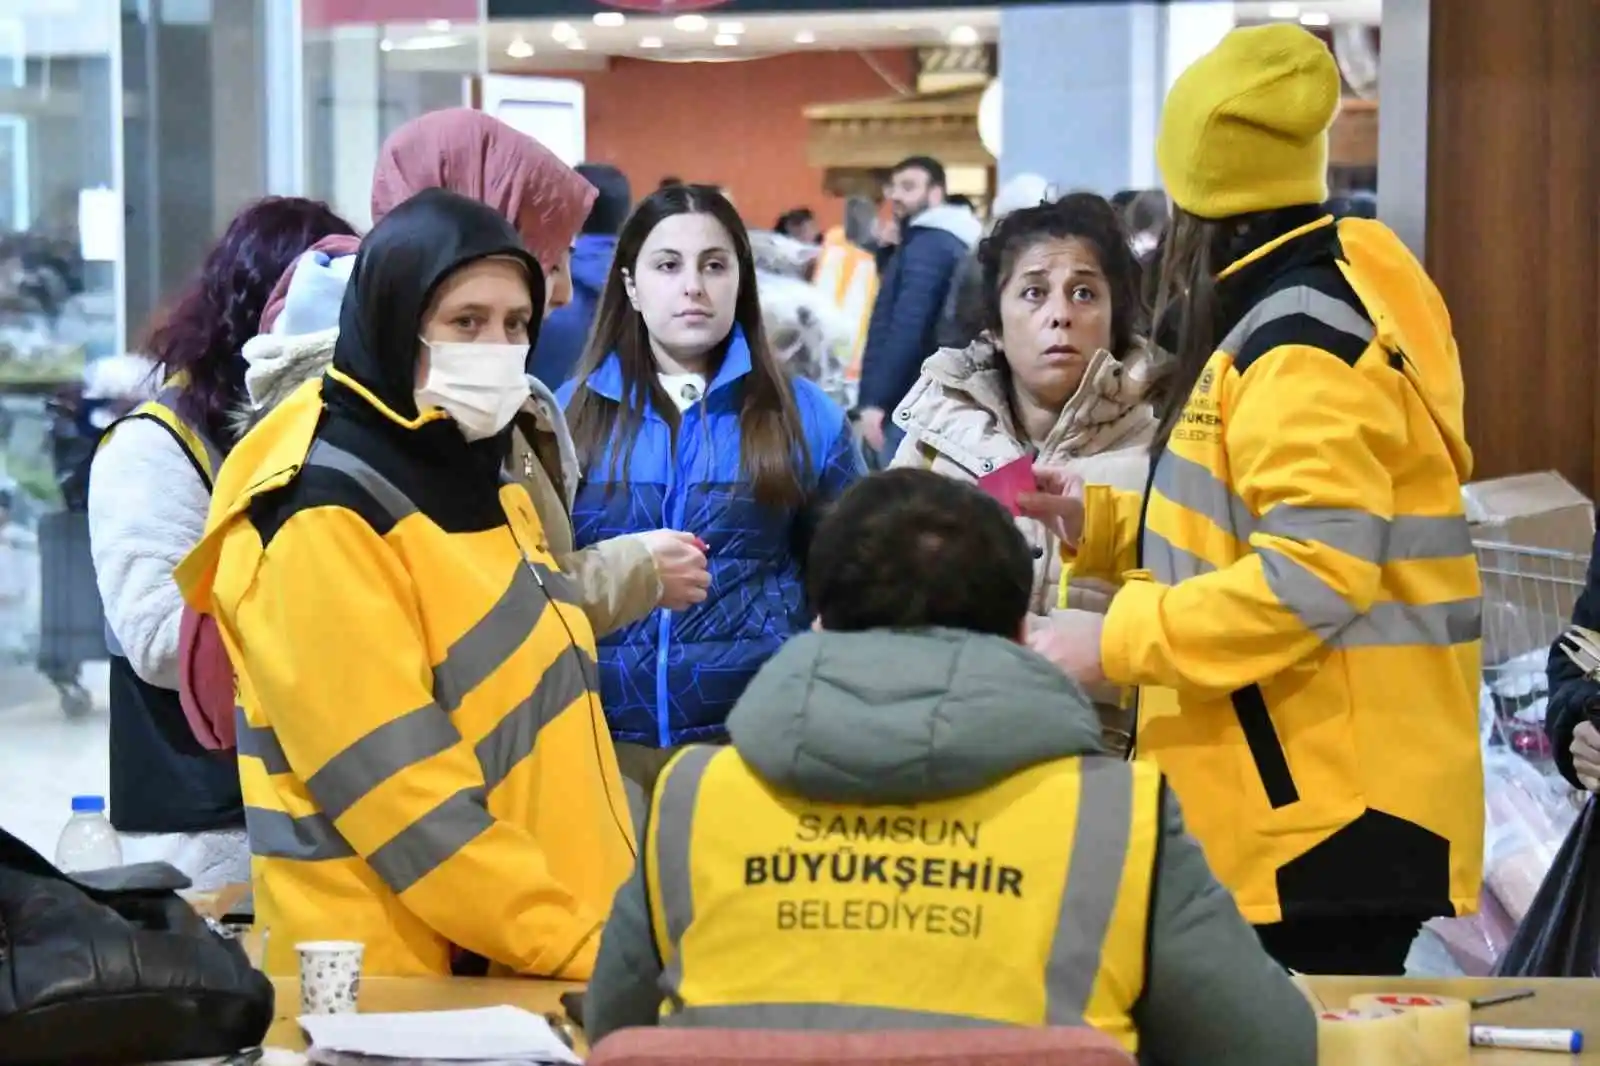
(1273, 245)
(432, 414)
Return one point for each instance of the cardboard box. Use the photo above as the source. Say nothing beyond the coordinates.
(1534, 533)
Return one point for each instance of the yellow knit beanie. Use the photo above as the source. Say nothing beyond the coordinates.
(1245, 128)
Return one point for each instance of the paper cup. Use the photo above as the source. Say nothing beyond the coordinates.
(330, 976)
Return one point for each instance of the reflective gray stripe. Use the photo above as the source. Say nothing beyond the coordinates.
(432, 840)
(491, 640)
(1319, 608)
(1170, 564)
(673, 821)
(380, 488)
(375, 757)
(819, 1016)
(1299, 300)
(276, 835)
(1194, 488)
(1356, 533)
(1094, 881)
(259, 742)
(168, 398)
(1425, 537)
(514, 736)
(1391, 624)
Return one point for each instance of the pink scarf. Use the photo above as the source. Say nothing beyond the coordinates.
(477, 155)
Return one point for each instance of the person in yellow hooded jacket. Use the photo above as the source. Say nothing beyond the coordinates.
(1300, 600)
(424, 763)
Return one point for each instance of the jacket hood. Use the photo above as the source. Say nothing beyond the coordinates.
(314, 293)
(1410, 316)
(961, 407)
(274, 367)
(402, 262)
(591, 262)
(958, 712)
(957, 221)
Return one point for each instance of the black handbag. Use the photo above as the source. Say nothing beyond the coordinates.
(112, 967)
(1560, 935)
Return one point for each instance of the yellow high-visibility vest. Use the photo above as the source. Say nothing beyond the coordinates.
(1026, 903)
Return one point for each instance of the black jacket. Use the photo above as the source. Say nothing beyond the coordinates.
(1573, 697)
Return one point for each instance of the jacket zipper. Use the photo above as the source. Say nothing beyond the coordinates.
(1138, 562)
(674, 515)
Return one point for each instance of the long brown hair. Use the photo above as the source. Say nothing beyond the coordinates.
(772, 446)
(1188, 310)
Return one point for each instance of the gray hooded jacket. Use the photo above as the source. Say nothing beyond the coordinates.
(958, 712)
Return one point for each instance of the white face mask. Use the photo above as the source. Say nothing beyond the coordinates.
(481, 386)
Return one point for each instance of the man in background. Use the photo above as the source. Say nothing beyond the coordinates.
(935, 239)
(564, 333)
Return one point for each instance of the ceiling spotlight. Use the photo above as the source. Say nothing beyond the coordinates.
(691, 23)
(649, 42)
(734, 28)
(610, 19)
(562, 32)
(725, 40)
(1316, 18)
(963, 36)
(519, 48)
(1283, 11)
(439, 25)
(805, 37)
(576, 45)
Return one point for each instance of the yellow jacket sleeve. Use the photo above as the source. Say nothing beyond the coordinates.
(1109, 546)
(332, 648)
(1304, 434)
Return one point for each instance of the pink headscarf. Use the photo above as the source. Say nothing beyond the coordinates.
(477, 155)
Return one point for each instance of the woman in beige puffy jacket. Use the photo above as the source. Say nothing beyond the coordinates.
(1058, 374)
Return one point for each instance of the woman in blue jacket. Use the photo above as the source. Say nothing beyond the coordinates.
(684, 419)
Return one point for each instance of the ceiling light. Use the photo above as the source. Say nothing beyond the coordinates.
(649, 42)
(805, 37)
(734, 28)
(519, 48)
(690, 23)
(1316, 18)
(562, 31)
(439, 25)
(425, 43)
(725, 40)
(963, 36)
(576, 45)
(386, 45)
(611, 19)
(1283, 11)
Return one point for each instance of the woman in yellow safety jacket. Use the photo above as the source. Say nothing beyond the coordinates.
(424, 763)
(1300, 602)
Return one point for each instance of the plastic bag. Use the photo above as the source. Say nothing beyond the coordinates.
(1560, 936)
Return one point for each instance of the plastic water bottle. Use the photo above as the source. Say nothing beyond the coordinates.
(88, 842)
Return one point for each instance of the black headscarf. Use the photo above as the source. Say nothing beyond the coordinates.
(401, 263)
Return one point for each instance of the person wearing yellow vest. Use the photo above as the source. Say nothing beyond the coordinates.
(424, 761)
(150, 481)
(916, 825)
(1301, 602)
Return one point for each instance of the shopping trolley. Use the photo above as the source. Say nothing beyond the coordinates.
(1528, 596)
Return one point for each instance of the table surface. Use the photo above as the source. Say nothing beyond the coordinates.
(1558, 1004)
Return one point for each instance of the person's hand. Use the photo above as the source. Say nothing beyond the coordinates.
(1586, 755)
(1071, 640)
(680, 560)
(1058, 503)
(871, 422)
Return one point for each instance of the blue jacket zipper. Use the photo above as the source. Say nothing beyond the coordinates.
(674, 514)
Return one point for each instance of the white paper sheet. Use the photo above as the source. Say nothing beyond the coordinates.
(493, 1033)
